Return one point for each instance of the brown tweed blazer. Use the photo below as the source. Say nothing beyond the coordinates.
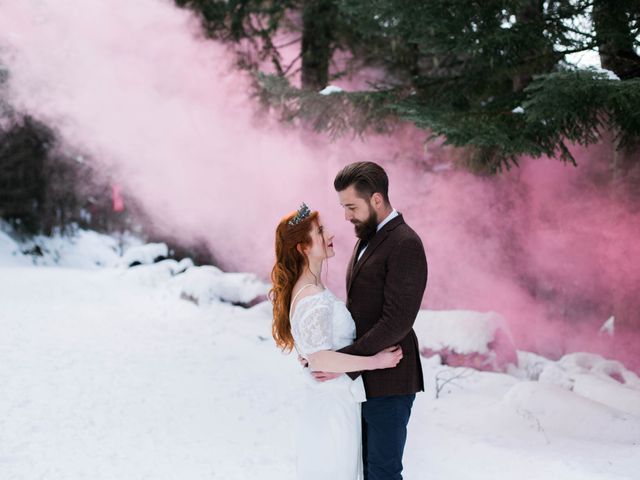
(384, 293)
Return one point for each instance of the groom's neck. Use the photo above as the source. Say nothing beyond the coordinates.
(384, 212)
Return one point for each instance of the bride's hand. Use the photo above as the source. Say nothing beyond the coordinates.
(303, 361)
(387, 358)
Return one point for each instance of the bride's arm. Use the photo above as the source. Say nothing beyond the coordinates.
(312, 332)
(335, 362)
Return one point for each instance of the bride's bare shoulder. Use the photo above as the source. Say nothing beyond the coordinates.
(307, 290)
(304, 291)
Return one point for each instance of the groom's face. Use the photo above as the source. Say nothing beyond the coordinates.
(359, 211)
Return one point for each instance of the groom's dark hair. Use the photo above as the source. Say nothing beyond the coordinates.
(366, 177)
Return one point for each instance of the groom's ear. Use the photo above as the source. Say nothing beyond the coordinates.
(377, 200)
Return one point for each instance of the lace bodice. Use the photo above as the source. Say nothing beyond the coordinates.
(321, 322)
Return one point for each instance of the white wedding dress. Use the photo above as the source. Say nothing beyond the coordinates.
(329, 440)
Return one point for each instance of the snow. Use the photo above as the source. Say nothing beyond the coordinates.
(81, 249)
(208, 284)
(104, 378)
(465, 338)
(508, 23)
(87, 249)
(145, 254)
(612, 370)
(328, 90)
(461, 330)
(584, 59)
(10, 253)
(443, 167)
(609, 74)
(590, 60)
(608, 392)
(608, 327)
(155, 274)
(489, 425)
(592, 376)
(561, 413)
(107, 373)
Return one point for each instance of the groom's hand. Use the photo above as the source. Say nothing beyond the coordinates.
(324, 376)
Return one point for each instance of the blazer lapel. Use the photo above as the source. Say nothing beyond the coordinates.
(355, 265)
(352, 262)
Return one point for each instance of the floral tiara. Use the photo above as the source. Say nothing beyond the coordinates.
(303, 212)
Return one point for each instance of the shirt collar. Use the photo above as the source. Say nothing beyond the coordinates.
(394, 213)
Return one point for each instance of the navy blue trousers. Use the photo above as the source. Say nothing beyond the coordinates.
(384, 433)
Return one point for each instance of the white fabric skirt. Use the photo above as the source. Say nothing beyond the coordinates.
(329, 440)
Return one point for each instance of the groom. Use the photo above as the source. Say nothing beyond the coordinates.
(386, 279)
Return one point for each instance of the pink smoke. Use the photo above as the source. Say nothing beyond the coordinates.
(134, 85)
(137, 86)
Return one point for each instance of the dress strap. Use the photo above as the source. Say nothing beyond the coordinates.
(296, 296)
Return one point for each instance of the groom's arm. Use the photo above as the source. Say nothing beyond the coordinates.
(404, 286)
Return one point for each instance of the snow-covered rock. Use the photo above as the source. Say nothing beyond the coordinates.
(82, 249)
(183, 265)
(557, 411)
(554, 374)
(581, 362)
(145, 254)
(466, 338)
(529, 367)
(608, 392)
(202, 285)
(158, 273)
(206, 284)
(154, 274)
(597, 378)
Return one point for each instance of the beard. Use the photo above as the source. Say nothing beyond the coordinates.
(367, 229)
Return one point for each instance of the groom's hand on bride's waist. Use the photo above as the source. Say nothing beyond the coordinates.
(324, 376)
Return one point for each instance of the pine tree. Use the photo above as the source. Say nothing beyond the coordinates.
(489, 76)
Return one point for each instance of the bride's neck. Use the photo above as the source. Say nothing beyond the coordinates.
(312, 273)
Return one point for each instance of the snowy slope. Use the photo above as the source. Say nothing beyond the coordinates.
(107, 374)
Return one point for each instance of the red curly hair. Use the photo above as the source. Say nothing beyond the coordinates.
(290, 263)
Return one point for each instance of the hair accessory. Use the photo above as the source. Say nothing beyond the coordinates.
(303, 212)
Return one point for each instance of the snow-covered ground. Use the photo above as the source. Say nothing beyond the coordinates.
(109, 372)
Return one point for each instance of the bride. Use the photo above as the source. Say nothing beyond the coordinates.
(309, 318)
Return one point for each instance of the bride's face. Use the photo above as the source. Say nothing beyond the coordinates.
(321, 242)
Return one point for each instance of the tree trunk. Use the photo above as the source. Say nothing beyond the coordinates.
(318, 20)
(23, 149)
(615, 40)
(539, 57)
